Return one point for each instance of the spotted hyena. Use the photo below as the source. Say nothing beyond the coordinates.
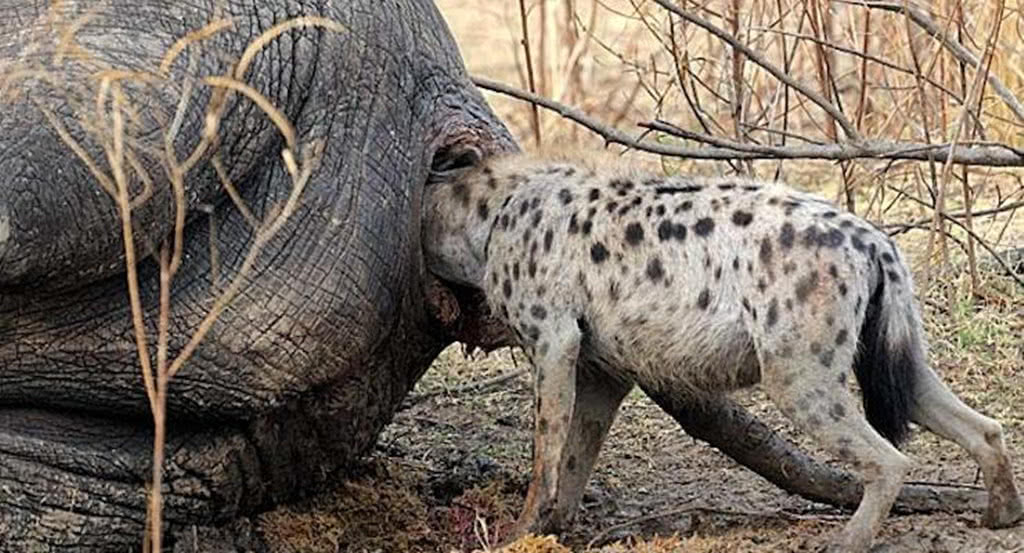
(695, 287)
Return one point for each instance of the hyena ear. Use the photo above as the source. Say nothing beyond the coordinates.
(451, 162)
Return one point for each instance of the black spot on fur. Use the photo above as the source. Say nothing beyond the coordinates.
(786, 236)
(842, 337)
(832, 239)
(588, 225)
(549, 237)
(659, 210)
(887, 257)
(594, 195)
(565, 196)
(622, 186)
(482, 210)
(815, 348)
(506, 288)
(742, 218)
(524, 206)
(893, 275)
(539, 312)
(668, 230)
(531, 268)
(704, 299)
(826, 357)
(858, 244)
(634, 234)
(598, 253)
(736, 263)
(765, 254)
(678, 189)
(773, 313)
(574, 224)
(810, 238)
(533, 333)
(704, 226)
(806, 285)
(655, 270)
(833, 270)
(685, 206)
(837, 412)
(515, 271)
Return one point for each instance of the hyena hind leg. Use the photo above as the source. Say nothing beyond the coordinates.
(818, 402)
(939, 410)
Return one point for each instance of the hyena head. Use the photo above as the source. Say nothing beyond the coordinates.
(456, 201)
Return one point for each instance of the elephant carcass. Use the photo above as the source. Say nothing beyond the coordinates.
(332, 326)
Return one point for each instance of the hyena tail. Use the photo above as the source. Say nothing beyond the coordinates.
(889, 357)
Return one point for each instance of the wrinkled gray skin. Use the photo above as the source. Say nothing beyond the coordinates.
(306, 366)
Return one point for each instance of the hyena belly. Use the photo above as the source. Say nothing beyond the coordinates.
(682, 286)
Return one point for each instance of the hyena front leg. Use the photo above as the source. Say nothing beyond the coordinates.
(554, 354)
(937, 409)
(598, 396)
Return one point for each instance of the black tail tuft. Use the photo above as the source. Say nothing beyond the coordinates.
(886, 371)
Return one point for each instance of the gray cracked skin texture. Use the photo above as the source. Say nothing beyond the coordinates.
(332, 329)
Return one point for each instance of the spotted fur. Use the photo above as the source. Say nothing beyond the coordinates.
(695, 287)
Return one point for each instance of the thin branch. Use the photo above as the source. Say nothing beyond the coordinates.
(979, 153)
(534, 115)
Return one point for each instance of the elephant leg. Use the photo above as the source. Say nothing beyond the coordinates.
(730, 428)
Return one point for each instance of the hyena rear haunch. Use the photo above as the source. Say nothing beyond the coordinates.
(695, 287)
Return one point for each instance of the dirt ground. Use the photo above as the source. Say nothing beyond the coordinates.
(449, 474)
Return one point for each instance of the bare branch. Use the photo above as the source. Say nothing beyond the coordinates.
(972, 153)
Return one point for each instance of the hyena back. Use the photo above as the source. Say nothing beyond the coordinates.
(697, 287)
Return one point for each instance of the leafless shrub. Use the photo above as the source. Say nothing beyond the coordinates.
(104, 110)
